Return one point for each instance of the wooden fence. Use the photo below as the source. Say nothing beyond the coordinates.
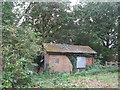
(116, 63)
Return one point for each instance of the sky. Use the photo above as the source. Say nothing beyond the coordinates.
(73, 2)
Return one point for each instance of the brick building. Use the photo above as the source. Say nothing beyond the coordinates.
(55, 57)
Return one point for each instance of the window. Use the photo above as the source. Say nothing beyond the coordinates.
(56, 60)
(81, 62)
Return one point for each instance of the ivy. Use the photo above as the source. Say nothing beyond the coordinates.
(19, 50)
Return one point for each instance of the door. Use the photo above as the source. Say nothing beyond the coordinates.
(81, 62)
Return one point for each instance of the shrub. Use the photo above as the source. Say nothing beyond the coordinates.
(19, 49)
(73, 59)
(97, 68)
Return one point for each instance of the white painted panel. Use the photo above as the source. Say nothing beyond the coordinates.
(81, 62)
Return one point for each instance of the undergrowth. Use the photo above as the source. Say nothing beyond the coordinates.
(60, 80)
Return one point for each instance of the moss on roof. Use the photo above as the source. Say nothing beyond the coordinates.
(65, 48)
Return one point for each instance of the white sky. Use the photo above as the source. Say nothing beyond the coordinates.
(73, 2)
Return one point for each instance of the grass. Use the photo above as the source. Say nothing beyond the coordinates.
(92, 78)
(103, 80)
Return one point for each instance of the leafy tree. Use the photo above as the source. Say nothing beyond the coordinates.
(48, 18)
(98, 28)
(118, 20)
(8, 17)
(92, 24)
(19, 47)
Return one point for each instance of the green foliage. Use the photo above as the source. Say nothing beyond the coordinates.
(98, 28)
(15, 75)
(97, 68)
(48, 18)
(93, 24)
(1, 86)
(8, 16)
(73, 59)
(50, 78)
(64, 80)
(19, 50)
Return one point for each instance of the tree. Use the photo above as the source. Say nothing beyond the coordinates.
(48, 18)
(118, 31)
(98, 23)
(8, 17)
(19, 47)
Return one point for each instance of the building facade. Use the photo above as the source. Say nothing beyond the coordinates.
(56, 57)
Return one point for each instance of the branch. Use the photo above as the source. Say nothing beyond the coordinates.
(26, 10)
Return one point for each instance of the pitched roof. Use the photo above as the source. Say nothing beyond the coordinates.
(64, 48)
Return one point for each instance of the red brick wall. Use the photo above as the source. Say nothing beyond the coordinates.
(89, 60)
(60, 63)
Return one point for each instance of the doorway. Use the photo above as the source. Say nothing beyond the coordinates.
(40, 61)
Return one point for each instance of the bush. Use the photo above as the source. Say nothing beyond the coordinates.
(73, 59)
(97, 68)
(19, 49)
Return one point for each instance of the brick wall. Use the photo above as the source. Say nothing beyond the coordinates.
(89, 60)
(60, 63)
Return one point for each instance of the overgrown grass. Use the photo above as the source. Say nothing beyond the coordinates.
(95, 76)
(98, 70)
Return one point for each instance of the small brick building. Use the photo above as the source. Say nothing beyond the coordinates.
(56, 58)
